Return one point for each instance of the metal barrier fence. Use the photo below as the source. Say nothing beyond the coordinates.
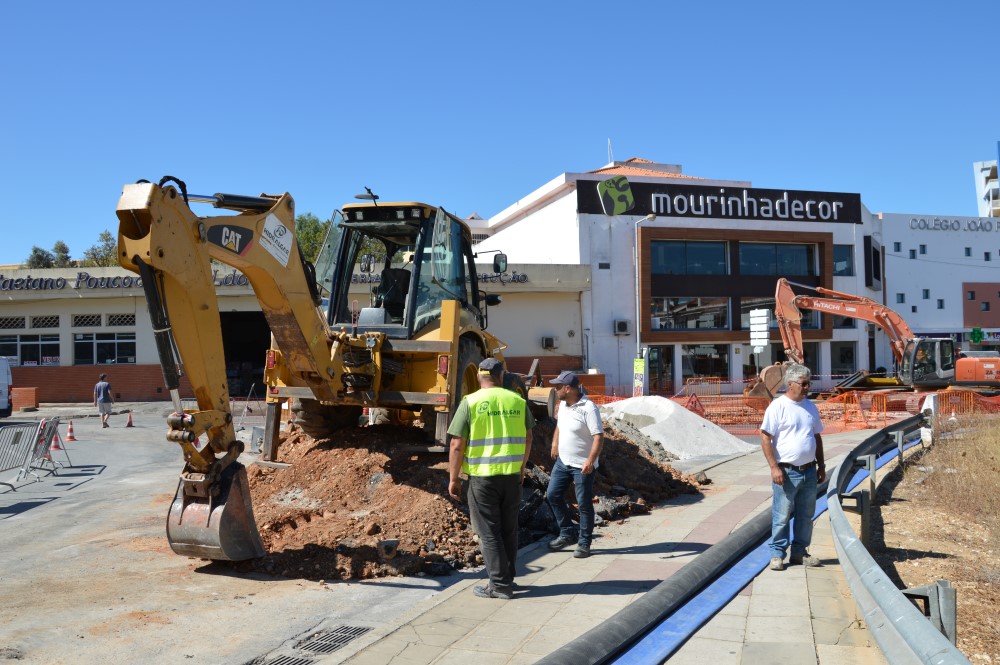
(900, 629)
(20, 444)
(41, 454)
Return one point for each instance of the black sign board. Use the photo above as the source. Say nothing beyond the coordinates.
(717, 202)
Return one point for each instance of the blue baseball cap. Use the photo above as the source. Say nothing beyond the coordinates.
(566, 378)
(491, 366)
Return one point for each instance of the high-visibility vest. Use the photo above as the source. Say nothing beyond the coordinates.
(497, 435)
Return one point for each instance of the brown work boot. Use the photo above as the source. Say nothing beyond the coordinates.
(804, 559)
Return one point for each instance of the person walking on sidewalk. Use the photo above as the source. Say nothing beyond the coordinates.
(793, 447)
(576, 450)
(103, 399)
(491, 440)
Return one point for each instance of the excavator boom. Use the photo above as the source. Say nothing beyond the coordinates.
(788, 306)
(171, 248)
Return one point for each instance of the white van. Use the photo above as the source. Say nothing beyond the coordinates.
(6, 386)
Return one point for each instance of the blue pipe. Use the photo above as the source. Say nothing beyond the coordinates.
(661, 642)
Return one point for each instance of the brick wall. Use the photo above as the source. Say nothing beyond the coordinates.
(24, 397)
(129, 383)
(551, 366)
(548, 364)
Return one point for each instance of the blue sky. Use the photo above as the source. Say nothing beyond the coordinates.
(473, 105)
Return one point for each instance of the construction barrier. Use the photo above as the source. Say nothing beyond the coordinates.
(41, 458)
(16, 446)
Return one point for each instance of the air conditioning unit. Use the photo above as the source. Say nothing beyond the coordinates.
(623, 327)
(550, 342)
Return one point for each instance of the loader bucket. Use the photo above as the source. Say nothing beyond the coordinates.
(220, 528)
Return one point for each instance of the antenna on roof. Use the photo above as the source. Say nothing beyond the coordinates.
(611, 154)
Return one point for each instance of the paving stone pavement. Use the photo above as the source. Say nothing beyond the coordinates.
(790, 617)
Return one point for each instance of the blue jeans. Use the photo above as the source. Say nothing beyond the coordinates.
(795, 500)
(556, 496)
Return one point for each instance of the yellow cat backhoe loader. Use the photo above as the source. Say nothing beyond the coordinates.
(409, 351)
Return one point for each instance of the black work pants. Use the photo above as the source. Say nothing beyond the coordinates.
(494, 502)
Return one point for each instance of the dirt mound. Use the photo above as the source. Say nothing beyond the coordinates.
(360, 505)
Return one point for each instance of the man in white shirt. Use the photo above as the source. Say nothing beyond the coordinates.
(790, 439)
(576, 449)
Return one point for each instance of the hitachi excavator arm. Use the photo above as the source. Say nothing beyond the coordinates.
(170, 247)
(788, 311)
(788, 306)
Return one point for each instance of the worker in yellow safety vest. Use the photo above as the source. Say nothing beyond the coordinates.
(491, 441)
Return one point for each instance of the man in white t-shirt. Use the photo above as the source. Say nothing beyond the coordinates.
(790, 439)
(576, 449)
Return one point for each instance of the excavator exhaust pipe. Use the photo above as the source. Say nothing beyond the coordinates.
(220, 527)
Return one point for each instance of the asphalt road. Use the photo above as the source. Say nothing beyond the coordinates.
(86, 575)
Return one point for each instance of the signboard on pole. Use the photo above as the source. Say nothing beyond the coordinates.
(638, 376)
(760, 322)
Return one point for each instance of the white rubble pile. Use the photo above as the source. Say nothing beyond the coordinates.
(680, 432)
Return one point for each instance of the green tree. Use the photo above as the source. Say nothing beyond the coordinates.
(104, 254)
(309, 231)
(60, 252)
(40, 258)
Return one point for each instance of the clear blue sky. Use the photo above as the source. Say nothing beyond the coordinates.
(473, 105)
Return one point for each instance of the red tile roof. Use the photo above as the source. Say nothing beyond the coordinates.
(633, 166)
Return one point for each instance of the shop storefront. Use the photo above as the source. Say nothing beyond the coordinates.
(61, 328)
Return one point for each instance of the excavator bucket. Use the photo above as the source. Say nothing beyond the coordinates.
(220, 527)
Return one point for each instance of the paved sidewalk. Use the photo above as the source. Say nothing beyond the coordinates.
(789, 617)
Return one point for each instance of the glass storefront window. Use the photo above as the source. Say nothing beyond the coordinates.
(843, 260)
(784, 259)
(30, 350)
(757, 259)
(705, 360)
(104, 349)
(843, 358)
(810, 318)
(661, 370)
(690, 314)
(688, 257)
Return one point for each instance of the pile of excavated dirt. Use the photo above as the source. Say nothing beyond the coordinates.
(362, 505)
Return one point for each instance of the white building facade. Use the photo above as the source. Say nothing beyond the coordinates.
(943, 275)
(712, 252)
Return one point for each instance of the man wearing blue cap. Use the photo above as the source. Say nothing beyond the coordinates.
(491, 441)
(576, 449)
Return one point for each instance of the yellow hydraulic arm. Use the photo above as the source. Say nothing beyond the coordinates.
(170, 247)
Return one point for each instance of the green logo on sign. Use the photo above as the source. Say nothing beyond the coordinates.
(616, 196)
(976, 336)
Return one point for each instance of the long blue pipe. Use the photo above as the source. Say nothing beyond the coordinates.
(661, 642)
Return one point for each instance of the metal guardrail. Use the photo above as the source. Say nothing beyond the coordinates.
(898, 626)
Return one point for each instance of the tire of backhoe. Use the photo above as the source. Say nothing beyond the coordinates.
(469, 353)
(321, 421)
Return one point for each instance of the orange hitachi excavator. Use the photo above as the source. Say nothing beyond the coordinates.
(923, 362)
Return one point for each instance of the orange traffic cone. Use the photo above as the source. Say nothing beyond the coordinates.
(129, 423)
(953, 419)
(69, 434)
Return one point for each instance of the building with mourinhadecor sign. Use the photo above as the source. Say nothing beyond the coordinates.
(709, 252)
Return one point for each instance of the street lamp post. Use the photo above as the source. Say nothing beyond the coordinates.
(635, 246)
